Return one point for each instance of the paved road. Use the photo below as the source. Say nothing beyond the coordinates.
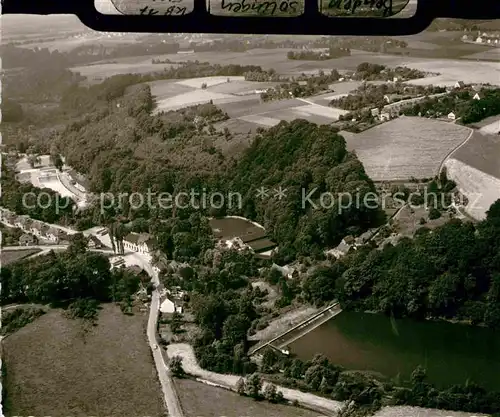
(167, 385)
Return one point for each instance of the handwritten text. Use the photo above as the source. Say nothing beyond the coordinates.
(352, 6)
(264, 7)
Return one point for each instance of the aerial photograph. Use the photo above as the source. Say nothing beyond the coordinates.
(222, 225)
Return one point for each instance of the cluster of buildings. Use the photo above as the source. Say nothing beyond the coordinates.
(34, 230)
(483, 38)
(349, 243)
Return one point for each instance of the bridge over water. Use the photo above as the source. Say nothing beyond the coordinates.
(291, 335)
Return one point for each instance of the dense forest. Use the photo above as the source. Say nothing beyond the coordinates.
(452, 272)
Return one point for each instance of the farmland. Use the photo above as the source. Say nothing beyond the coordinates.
(475, 169)
(239, 99)
(55, 366)
(199, 399)
(9, 257)
(406, 147)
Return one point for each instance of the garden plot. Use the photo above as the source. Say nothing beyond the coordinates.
(407, 147)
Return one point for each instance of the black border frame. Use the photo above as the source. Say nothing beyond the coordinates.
(312, 22)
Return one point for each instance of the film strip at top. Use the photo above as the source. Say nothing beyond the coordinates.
(262, 8)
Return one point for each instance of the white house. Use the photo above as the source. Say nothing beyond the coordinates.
(477, 97)
(385, 117)
(170, 306)
(452, 116)
(139, 242)
(479, 40)
(459, 84)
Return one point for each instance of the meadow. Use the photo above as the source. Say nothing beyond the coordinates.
(58, 366)
(198, 399)
(406, 147)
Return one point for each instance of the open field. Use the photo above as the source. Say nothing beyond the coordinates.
(176, 94)
(476, 170)
(9, 257)
(54, 367)
(406, 147)
(96, 72)
(481, 152)
(200, 399)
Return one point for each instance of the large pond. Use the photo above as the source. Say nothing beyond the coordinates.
(452, 353)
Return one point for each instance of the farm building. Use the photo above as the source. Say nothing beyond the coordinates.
(287, 271)
(477, 97)
(27, 239)
(452, 116)
(459, 84)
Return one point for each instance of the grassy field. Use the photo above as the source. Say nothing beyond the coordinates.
(10, 256)
(198, 399)
(406, 147)
(54, 367)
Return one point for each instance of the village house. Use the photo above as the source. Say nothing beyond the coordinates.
(22, 221)
(362, 239)
(9, 218)
(53, 234)
(385, 116)
(94, 243)
(36, 228)
(343, 248)
(27, 239)
(476, 97)
(459, 84)
(452, 116)
(287, 271)
(174, 301)
(139, 242)
(375, 112)
(160, 262)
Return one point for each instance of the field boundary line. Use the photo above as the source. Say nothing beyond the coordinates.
(450, 154)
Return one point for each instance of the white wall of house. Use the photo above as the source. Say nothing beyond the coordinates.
(167, 306)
